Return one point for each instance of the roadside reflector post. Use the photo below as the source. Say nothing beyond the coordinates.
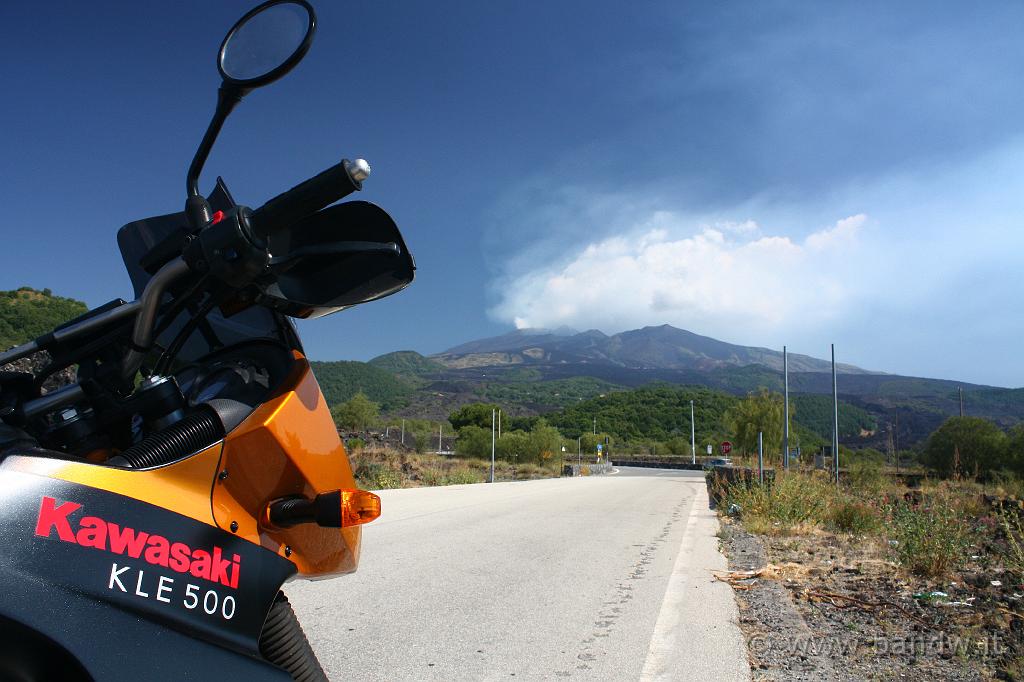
(760, 457)
(785, 410)
(693, 437)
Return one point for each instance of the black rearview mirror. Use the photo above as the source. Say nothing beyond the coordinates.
(266, 43)
(262, 46)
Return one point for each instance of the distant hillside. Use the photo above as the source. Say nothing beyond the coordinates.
(407, 362)
(27, 313)
(544, 395)
(815, 413)
(340, 380)
(663, 347)
(659, 412)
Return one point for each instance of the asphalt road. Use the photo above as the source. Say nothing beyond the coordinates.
(602, 577)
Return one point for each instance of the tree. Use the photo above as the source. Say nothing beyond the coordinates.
(545, 441)
(357, 413)
(514, 446)
(473, 442)
(590, 441)
(758, 412)
(967, 445)
(679, 446)
(1015, 448)
(475, 414)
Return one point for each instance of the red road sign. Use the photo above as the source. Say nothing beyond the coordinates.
(726, 447)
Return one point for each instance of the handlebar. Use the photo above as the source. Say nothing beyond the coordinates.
(310, 196)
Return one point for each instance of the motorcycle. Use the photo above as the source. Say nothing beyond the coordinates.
(154, 506)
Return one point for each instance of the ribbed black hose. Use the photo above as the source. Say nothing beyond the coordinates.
(284, 644)
(198, 430)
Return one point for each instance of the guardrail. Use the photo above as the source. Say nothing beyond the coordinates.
(655, 464)
(587, 469)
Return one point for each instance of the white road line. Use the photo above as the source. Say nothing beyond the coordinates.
(663, 639)
(693, 596)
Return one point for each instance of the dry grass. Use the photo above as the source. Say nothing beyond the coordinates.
(927, 534)
(382, 468)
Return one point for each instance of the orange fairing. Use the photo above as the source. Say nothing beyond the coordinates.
(182, 487)
(288, 446)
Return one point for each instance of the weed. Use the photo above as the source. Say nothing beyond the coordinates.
(854, 516)
(1010, 524)
(377, 476)
(930, 539)
(463, 475)
(867, 480)
(432, 477)
(791, 501)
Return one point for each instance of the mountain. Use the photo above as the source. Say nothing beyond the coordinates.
(532, 371)
(664, 347)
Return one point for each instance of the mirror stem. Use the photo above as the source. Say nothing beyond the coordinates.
(196, 207)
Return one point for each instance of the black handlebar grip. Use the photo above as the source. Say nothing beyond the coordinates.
(319, 191)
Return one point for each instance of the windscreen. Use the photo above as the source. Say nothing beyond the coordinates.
(145, 244)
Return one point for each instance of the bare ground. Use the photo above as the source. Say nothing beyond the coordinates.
(820, 606)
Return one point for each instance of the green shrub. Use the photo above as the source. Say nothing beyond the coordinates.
(377, 476)
(462, 476)
(791, 500)
(432, 477)
(930, 539)
(854, 516)
(1013, 555)
(866, 479)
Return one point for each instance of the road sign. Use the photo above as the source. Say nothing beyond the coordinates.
(599, 447)
(726, 447)
(709, 448)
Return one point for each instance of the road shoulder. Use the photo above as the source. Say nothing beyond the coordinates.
(709, 650)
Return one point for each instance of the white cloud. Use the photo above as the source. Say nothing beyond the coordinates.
(930, 285)
(710, 279)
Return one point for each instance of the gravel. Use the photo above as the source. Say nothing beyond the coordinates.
(792, 636)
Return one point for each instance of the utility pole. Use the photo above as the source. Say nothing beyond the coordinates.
(579, 456)
(785, 409)
(403, 432)
(693, 444)
(835, 417)
(595, 426)
(492, 447)
(960, 390)
(440, 430)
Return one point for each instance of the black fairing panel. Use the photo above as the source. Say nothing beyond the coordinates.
(124, 607)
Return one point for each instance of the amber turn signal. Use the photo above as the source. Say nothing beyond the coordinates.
(336, 509)
(358, 507)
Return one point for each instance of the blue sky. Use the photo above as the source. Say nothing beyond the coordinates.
(767, 174)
